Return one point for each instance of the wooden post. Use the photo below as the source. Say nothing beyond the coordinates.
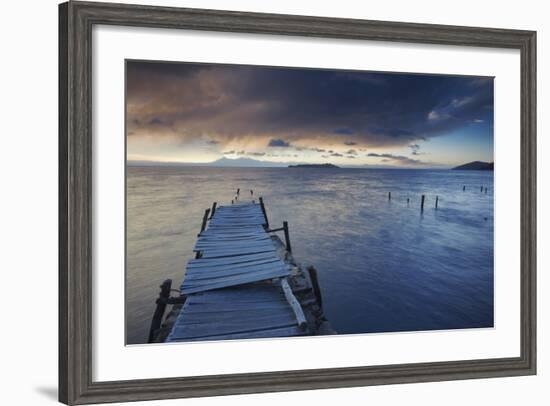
(481, 190)
(251, 192)
(161, 308)
(463, 188)
(263, 211)
(231, 201)
(436, 201)
(204, 220)
(389, 195)
(408, 200)
(238, 191)
(315, 284)
(485, 190)
(213, 209)
(422, 203)
(287, 236)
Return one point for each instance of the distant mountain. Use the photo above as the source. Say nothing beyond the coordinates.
(476, 166)
(244, 163)
(325, 166)
(219, 163)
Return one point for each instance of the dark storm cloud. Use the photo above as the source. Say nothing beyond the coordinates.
(281, 107)
(155, 121)
(415, 149)
(343, 131)
(397, 159)
(278, 143)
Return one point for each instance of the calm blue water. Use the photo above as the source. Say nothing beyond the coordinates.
(383, 266)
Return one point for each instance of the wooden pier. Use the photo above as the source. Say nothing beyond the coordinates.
(241, 283)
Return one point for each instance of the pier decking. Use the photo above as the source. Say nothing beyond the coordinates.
(237, 286)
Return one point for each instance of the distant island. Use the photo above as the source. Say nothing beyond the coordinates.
(476, 166)
(323, 166)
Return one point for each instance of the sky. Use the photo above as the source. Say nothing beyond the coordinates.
(199, 113)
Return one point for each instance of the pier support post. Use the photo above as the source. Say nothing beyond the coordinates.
(238, 191)
(464, 188)
(287, 236)
(315, 285)
(422, 203)
(213, 209)
(408, 201)
(436, 201)
(485, 190)
(481, 190)
(263, 211)
(389, 195)
(161, 308)
(204, 220)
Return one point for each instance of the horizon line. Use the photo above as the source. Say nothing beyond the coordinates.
(266, 164)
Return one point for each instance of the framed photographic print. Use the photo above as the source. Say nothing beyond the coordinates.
(256, 202)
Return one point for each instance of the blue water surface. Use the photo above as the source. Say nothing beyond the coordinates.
(384, 266)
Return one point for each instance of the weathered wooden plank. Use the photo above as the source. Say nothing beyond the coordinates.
(219, 237)
(236, 223)
(220, 253)
(240, 294)
(230, 265)
(243, 318)
(291, 299)
(269, 333)
(209, 273)
(206, 308)
(239, 218)
(189, 287)
(205, 262)
(229, 327)
(232, 244)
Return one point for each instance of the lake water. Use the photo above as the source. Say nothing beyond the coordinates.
(383, 265)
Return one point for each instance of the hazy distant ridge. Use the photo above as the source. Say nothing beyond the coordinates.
(477, 166)
(322, 166)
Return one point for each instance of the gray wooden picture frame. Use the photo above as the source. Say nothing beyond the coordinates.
(76, 20)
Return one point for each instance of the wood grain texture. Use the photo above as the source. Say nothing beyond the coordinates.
(252, 311)
(75, 196)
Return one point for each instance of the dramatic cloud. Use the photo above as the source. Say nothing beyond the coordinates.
(415, 149)
(240, 101)
(397, 159)
(278, 143)
(246, 108)
(343, 131)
